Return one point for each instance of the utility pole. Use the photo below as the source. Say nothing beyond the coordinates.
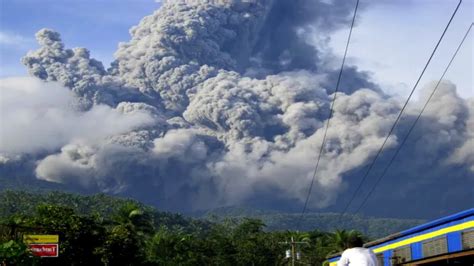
(293, 244)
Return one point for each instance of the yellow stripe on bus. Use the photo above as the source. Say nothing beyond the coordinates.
(426, 236)
(408, 241)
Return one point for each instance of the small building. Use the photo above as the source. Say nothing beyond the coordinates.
(445, 241)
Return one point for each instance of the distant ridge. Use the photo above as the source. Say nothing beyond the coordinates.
(275, 221)
(24, 201)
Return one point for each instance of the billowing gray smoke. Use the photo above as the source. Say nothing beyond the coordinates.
(222, 104)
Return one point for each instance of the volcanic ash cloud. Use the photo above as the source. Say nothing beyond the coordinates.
(210, 105)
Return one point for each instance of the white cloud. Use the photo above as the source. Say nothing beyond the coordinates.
(13, 39)
(40, 116)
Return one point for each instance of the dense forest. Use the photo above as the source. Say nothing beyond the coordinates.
(104, 230)
(277, 221)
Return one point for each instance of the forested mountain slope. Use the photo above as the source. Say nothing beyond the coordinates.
(370, 226)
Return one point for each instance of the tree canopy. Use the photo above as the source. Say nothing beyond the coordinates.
(101, 230)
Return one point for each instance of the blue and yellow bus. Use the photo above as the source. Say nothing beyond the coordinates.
(446, 241)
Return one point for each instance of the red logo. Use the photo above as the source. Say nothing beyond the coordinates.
(44, 250)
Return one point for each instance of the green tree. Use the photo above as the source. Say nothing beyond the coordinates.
(179, 248)
(79, 236)
(101, 230)
(252, 245)
(128, 239)
(341, 239)
(16, 253)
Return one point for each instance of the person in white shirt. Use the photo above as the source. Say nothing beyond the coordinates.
(356, 255)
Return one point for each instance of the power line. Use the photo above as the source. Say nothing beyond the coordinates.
(293, 254)
(399, 115)
(330, 116)
(414, 123)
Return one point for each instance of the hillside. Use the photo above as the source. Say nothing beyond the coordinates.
(25, 203)
(275, 221)
(104, 230)
(16, 202)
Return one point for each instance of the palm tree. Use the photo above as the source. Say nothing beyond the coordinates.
(129, 237)
(342, 239)
(133, 216)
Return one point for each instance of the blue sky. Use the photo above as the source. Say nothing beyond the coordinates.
(393, 38)
(98, 25)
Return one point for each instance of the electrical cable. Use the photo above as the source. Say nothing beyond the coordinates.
(414, 123)
(399, 115)
(329, 118)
